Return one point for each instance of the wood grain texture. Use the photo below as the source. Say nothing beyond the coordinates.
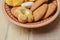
(3, 24)
(17, 33)
(48, 32)
(9, 31)
(3, 27)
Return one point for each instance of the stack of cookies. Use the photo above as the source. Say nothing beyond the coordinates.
(27, 11)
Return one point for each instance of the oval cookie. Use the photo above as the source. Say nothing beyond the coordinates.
(38, 13)
(51, 8)
(37, 4)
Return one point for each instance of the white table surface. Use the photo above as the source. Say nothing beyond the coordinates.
(9, 31)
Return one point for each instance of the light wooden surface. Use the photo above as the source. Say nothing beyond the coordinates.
(9, 31)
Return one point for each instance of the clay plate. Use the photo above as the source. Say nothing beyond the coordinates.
(11, 18)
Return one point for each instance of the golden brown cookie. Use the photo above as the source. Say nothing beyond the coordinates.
(25, 0)
(51, 8)
(32, 0)
(13, 11)
(14, 2)
(37, 4)
(38, 13)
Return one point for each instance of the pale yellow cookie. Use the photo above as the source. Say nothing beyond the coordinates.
(38, 13)
(29, 15)
(22, 18)
(23, 14)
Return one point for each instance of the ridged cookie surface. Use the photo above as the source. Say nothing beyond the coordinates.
(38, 13)
(37, 4)
(51, 8)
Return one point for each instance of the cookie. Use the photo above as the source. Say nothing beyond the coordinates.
(13, 11)
(14, 2)
(22, 18)
(38, 13)
(30, 16)
(22, 14)
(25, 0)
(51, 8)
(32, 0)
(37, 4)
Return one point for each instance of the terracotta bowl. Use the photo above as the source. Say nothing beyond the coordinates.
(42, 23)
